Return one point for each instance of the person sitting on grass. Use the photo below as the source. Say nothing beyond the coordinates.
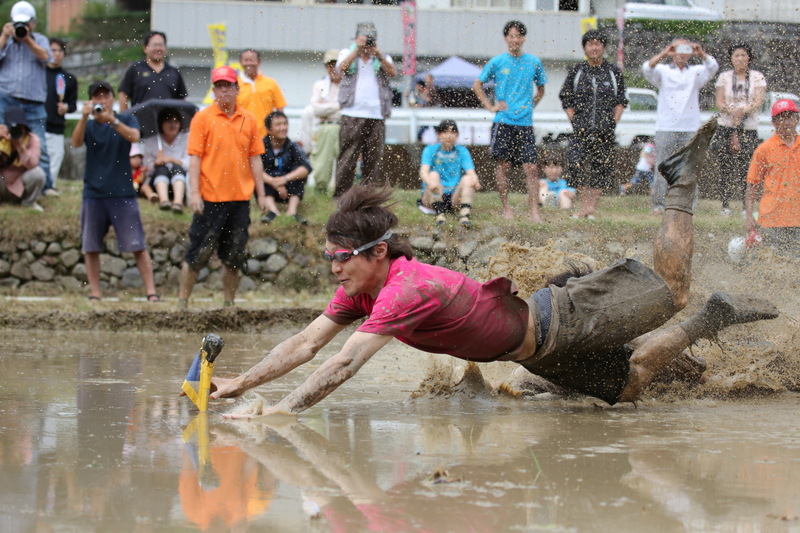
(167, 160)
(553, 190)
(448, 176)
(286, 168)
(139, 174)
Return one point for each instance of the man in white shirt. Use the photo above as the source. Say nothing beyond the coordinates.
(366, 100)
(678, 115)
(325, 108)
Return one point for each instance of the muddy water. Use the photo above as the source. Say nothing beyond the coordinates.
(94, 438)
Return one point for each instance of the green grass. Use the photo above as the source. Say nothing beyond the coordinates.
(617, 216)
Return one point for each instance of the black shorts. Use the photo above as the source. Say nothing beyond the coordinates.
(294, 188)
(590, 159)
(592, 319)
(516, 144)
(222, 226)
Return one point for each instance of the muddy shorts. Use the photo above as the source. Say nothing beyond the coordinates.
(222, 226)
(591, 320)
(516, 144)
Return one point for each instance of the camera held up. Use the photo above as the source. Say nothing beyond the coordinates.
(21, 30)
(97, 109)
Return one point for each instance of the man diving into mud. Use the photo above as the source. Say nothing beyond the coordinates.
(593, 335)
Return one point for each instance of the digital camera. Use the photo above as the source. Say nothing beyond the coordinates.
(20, 30)
(370, 41)
(16, 131)
(684, 49)
(97, 109)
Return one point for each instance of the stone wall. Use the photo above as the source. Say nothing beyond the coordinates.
(55, 266)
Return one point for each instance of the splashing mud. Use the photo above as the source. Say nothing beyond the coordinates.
(744, 362)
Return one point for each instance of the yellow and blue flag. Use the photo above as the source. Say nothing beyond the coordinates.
(197, 383)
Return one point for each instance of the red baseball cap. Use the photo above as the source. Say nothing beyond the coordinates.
(224, 73)
(784, 105)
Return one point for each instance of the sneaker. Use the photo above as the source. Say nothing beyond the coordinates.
(725, 212)
(465, 221)
(622, 191)
(35, 206)
(440, 220)
(426, 210)
(269, 217)
(300, 220)
(51, 192)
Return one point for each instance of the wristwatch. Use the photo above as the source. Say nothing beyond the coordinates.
(115, 123)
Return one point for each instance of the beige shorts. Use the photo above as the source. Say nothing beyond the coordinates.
(593, 317)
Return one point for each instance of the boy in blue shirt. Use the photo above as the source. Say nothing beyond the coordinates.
(515, 75)
(553, 189)
(448, 176)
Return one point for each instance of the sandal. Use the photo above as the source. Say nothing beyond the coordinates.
(94, 298)
(465, 221)
(300, 220)
(177, 208)
(153, 199)
(153, 298)
(166, 206)
(269, 217)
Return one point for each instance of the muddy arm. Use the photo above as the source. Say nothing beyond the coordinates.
(283, 358)
(358, 349)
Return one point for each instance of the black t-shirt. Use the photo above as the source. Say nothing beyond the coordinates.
(142, 83)
(55, 122)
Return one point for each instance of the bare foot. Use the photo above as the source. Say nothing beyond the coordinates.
(508, 213)
(536, 218)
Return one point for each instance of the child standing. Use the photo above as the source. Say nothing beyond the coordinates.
(644, 169)
(553, 190)
(448, 176)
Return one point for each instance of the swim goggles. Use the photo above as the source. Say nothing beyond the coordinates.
(343, 256)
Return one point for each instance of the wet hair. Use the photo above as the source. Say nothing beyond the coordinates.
(60, 42)
(740, 46)
(574, 271)
(168, 113)
(272, 116)
(515, 24)
(149, 35)
(363, 216)
(243, 52)
(594, 35)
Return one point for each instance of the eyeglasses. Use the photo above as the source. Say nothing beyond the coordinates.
(342, 256)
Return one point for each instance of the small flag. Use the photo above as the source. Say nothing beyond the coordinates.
(197, 383)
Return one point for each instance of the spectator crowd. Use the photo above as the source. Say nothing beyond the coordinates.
(214, 161)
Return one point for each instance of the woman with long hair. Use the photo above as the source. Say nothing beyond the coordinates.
(739, 96)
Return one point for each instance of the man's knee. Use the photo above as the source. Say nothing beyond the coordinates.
(34, 176)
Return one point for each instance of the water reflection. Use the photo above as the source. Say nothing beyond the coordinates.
(95, 438)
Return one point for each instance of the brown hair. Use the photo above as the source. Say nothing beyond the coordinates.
(363, 217)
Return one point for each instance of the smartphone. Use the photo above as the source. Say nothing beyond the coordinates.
(684, 49)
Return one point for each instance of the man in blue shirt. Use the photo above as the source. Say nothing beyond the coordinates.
(108, 195)
(514, 75)
(24, 55)
(448, 176)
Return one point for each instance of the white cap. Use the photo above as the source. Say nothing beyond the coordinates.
(136, 149)
(737, 249)
(22, 12)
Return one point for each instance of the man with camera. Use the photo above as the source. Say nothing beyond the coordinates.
(21, 179)
(678, 114)
(108, 195)
(366, 100)
(24, 55)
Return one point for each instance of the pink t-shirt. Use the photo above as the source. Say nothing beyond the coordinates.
(439, 311)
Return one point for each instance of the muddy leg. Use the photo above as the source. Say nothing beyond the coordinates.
(651, 358)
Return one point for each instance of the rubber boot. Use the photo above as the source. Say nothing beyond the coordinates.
(723, 310)
(682, 169)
